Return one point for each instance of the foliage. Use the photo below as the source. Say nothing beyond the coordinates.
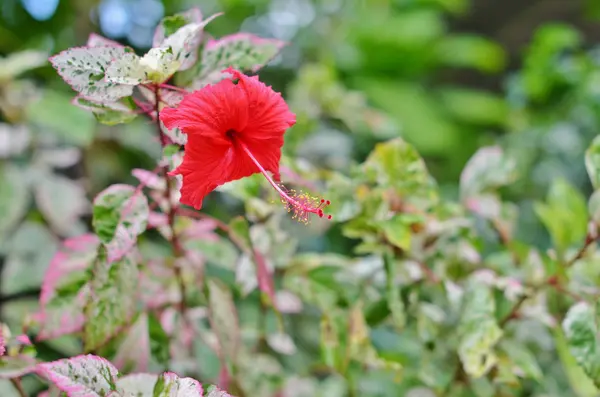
(431, 279)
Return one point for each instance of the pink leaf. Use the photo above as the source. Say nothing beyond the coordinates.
(242, 51)
(134, 351)
(265, 278)
(95, 40)
(223, 319)
(287, 302)
(81, 376)
(120, 215)
(157, 285)
(149, 179)
(65, 315)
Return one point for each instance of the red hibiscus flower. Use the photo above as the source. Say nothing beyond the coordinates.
(234, 131)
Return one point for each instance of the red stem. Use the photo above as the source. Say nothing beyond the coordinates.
(174, 88)
(178, 251)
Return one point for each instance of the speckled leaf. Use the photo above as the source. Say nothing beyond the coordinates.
(224, 319)
(156, 66)
(84, 68)
(478, 331)
(81, 376)
(120, 215)
(65, 289)
(242, 51)
(214, 391)
(173, 23)
(171, 385)
(396, 165)
(489, 168)
(581, 330)
(137, 385)
(112, 300)
(185, 41)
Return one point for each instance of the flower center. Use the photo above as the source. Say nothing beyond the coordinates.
(300, 203)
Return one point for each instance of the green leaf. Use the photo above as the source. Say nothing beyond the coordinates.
(172, 23)
(394, 300)
(85, 70)
(241, 51)
(564, 214)
(112, 300)
(578, 380)
(471, 51)
(54, 111)
(109, 113)
(488, 169)
(159, 340)
(14, 198)
(474, 106)
(396, 164)
(581, 330)
(478, 330)
(224, 320)
(120, 214)
(592, 162)
(523, 359)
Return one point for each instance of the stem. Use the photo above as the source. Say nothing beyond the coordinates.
(174, 88)
(178, 251)
(514, 311)
(18, 386)
(589, 239)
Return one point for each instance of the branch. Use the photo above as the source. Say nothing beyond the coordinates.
(589, 239)
(18, 386)
(178, 251)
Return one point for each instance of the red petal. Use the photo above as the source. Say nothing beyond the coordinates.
(209, 112)
(268, 119)
(204, 167)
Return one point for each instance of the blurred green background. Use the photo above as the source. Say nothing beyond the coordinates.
(449, 76)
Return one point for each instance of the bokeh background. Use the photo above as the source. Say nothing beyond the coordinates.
(449, 76)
